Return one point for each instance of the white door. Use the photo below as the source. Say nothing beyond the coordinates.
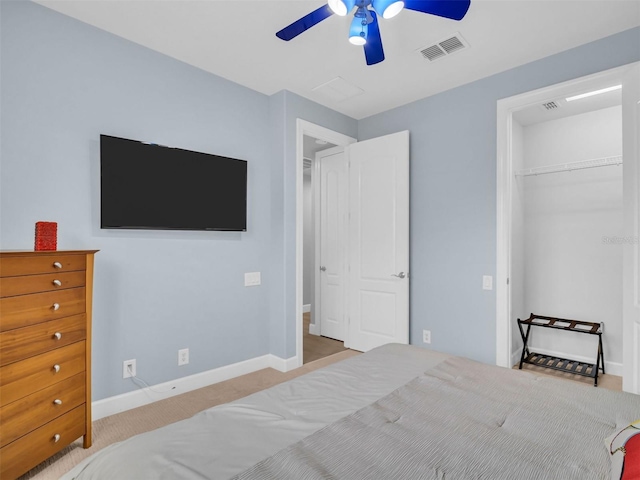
(333, 246)
(378, 242)
(631, 266)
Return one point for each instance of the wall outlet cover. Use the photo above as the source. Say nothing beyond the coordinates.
(426, 336)
(183, 356)
(129, 368)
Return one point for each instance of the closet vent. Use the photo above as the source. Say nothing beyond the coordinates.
(443, 48)
(551, 105)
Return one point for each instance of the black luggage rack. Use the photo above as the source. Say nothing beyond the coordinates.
(562, 364)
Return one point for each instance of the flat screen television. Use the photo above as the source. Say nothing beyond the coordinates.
(148, 186)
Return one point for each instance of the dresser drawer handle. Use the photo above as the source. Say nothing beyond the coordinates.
(57, 401)
(57, 265)
(57, 335)
(55, 306)
(56, 368)
(56, 438)
(57, 283)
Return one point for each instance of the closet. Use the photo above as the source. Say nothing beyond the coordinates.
(567, 225)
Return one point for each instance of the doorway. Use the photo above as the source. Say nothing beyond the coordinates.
(305, 320)
(376, 278)
(563, 217)
(324, 248)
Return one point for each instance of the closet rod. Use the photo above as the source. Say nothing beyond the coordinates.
(568, 167)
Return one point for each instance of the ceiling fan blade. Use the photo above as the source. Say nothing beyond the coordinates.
(454, 9)
(373, 51)
(305, 23)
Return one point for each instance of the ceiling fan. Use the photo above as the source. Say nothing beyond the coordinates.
(364, 28)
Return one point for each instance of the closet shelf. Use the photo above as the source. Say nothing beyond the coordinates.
(568, 167)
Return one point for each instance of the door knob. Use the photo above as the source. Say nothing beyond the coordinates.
(399, 275)
(323, 269)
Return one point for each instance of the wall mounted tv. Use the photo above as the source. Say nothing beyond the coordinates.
(147, 186)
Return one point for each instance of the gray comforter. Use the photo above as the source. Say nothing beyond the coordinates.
(465, 420)
(395, 412)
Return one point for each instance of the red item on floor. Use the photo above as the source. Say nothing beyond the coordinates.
(46, 236)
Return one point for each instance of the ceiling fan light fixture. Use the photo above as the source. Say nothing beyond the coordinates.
(388, 8)
(341, 7)
(358, 31)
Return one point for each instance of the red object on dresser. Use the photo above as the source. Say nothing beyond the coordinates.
(46, 236)
(631, 469)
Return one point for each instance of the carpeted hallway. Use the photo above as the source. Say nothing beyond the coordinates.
(315, 347)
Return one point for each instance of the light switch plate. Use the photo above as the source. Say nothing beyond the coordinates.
(252, 279)
(487, 282)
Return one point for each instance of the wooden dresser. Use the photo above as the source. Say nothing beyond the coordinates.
(45, 355)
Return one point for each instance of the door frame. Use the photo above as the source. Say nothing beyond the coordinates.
(303, 128)
(504, 190)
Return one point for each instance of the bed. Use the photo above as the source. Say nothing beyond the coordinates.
(397, 411)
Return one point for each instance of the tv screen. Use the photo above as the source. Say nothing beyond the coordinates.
(147, 186)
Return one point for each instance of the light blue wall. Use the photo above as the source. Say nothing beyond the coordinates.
(453, 191)
(291, 107)
(63, 84)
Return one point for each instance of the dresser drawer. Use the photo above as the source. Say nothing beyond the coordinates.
(14, 266)
(26, 342)
(27, 414)
(24, 310)
(19, 379)
(11, 286)
(35, 447)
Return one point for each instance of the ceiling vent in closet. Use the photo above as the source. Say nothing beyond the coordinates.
(444, 47)
(552, 105)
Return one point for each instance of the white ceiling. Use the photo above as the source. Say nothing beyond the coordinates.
(236, 40)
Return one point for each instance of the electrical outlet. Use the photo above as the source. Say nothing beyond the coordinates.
(129, 368)
(426, 336)
(183, 356)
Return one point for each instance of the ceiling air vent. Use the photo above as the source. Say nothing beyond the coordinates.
(550, 105)
(444, 47)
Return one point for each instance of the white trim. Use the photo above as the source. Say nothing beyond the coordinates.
(306, 308)
(144, 396)
(316, 131)
(282, 364)
(505, 109)
(314, 329)
(515, 357)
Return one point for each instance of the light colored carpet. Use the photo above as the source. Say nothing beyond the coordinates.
(315, 346)
(149, 417)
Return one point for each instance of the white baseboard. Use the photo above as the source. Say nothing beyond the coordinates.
(314, 329)
(144, 396)
(306, 308)
(612, 368)
(283, 365)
